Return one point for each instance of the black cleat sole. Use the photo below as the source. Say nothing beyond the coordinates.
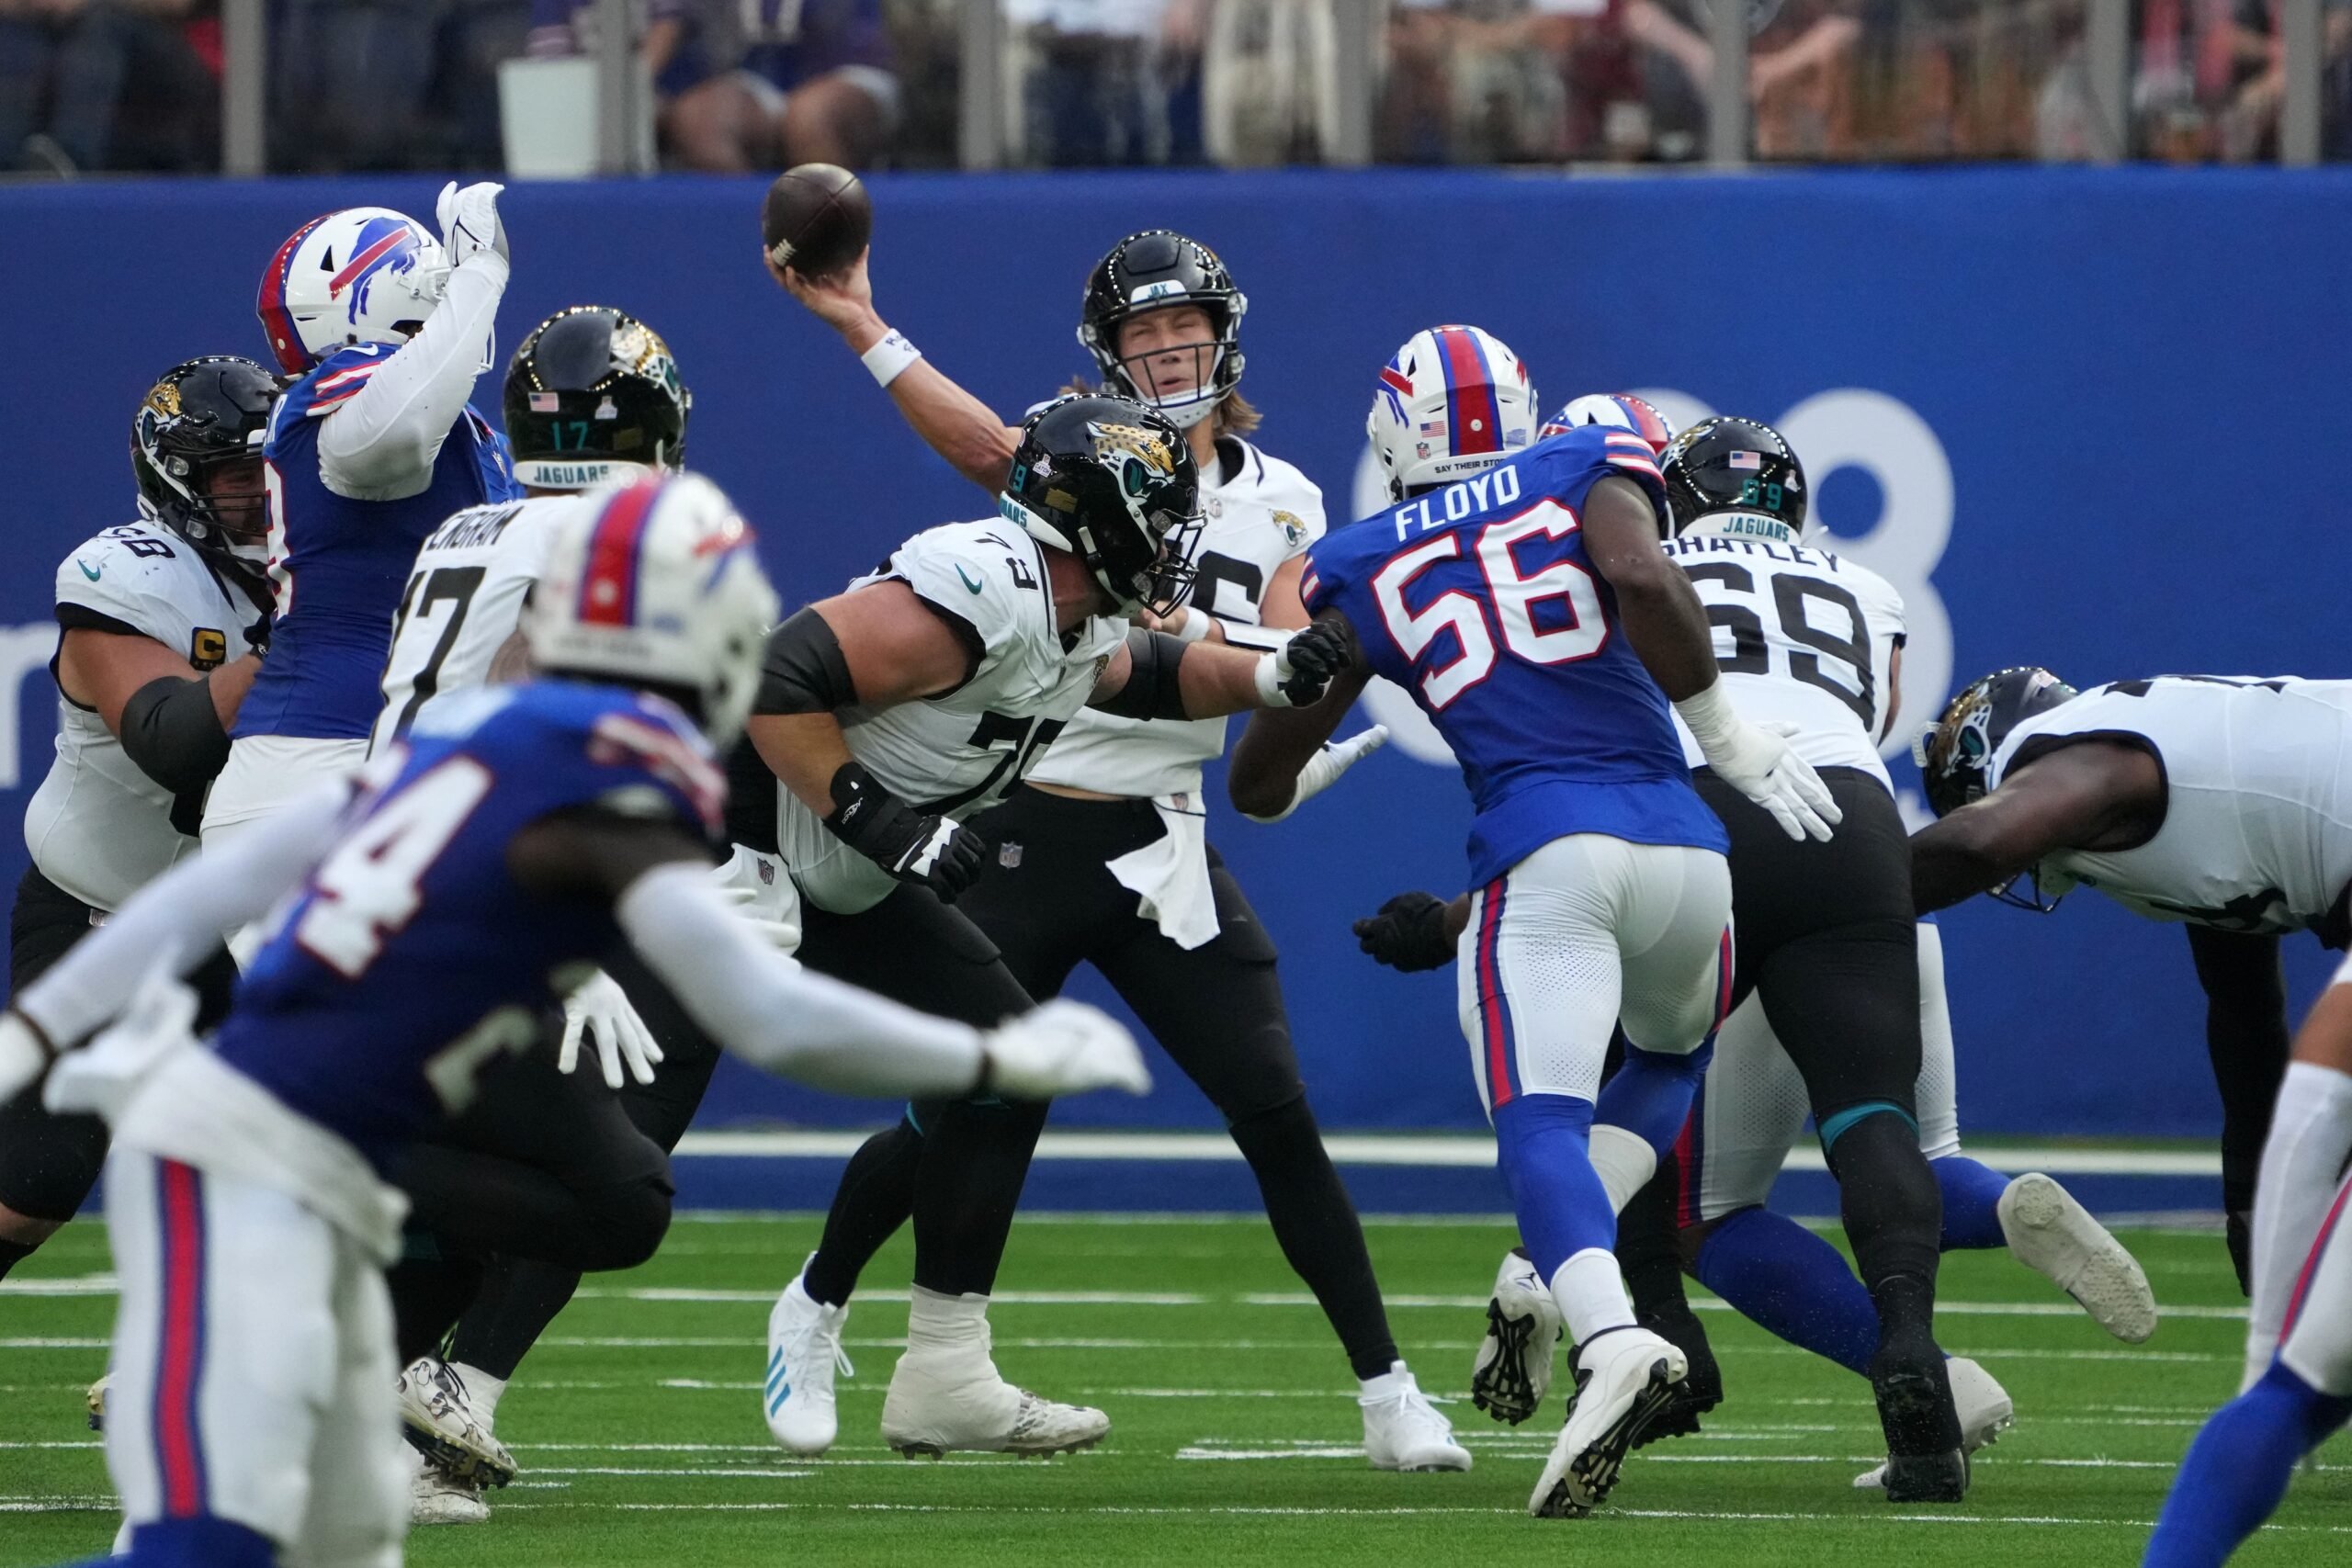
(1503, 1388)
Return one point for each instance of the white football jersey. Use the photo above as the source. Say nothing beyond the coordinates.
(97, 827)
(2257, 828)
(463, 601)
(1803, 637)
(1265, 515)
(964, 750)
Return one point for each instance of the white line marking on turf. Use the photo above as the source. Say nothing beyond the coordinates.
(1464, 1152)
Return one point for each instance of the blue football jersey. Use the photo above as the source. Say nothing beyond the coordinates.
(338, 564)
(412, 959)
(1478, 598)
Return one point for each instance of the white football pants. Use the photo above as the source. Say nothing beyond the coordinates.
(2317, 1343)
(1586, 933)
(253, 1368)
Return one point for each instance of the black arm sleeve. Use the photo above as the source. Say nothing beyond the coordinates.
(805, 670)
(1152, 690)
(172, 731)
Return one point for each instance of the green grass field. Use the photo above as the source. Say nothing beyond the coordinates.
(1235, 1436)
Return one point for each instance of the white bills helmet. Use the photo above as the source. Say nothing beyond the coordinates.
(364, 274)
(657, 584)
(1618, 411)
(1454, 400)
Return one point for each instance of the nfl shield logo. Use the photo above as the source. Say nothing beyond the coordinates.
(767, 874)
(1009, 856)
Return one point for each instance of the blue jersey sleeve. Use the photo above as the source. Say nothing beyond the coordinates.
(1570, 464)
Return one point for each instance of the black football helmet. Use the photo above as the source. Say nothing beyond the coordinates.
(1952, 752)
(1151, 271)
(1115, 484)
(201, 418)
(1737, 465)
(593, 395)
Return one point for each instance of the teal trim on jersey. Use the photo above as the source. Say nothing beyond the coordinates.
(1843, 1122)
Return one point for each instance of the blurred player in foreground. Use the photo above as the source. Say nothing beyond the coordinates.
(158, 624)
(2299, 1345)
(1492, 591)
(2221, 802)
(428, 924)
(1102, 855)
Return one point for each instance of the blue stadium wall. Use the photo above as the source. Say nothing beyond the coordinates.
(2093, 420)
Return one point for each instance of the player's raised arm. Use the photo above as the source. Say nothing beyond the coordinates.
(1667, 627)
(1267, 777)
(957, 426)
(382, 443)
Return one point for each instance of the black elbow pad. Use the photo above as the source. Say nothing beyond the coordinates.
(805, 670)
(172, 731)
(1152, 690)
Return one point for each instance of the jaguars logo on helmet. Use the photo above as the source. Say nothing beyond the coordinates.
(1112, 482)
(1953, 752)
(202, 416)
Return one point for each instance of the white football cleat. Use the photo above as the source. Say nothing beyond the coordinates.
(95, 1402)
(1514, 1362)
(437, 1497)
(1625, 1377)
(1402, 1430)
(440, 1422)
(2052, 1235)
(1982, 1405)
(804, 1347)
(941, 1404)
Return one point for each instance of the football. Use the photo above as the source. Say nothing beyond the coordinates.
(816, 219)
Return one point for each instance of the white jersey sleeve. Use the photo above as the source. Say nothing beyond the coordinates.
(2257, 834)
(99, 827)
(959, 752)
(1262, 514)
(463, 601)
(1803, 637)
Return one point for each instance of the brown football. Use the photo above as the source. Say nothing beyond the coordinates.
(816, 219)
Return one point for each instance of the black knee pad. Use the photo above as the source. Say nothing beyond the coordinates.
(633, 1217)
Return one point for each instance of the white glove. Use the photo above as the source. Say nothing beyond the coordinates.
(24, 1055)
(1063, 1047)
(1756, 760)
(779, 928)
(469, 224)
(1324, 767)
(600, 1008)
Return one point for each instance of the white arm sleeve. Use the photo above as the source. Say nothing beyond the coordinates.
(380, 445)
(183, 913)
(777, 1015)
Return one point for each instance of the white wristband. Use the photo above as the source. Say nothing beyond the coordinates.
(1194, 626)
(887, 360)
(1709, 715)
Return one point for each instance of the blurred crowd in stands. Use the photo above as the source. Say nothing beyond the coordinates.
(90, 86)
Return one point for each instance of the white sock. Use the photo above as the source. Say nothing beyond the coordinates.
(1395, 1380)
(480, 1388)
(1591, 1294)
(947, 1324)
(1623, 1160)
(2302, 1164)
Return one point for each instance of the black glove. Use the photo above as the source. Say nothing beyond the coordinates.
(1313, 656)
(1408, 933)
(913, 846)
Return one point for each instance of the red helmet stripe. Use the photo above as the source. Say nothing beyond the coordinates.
(277, 324)
(1475, 416)
(608, 588)
(357, 266)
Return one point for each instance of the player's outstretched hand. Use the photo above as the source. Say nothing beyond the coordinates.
(24, 1055)
(1063, 1047)
(1296, 674)
(469, 223)
(1324, 767)
(600, 1009)
(1410, 933)
(1757, 761)
(840, 299)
